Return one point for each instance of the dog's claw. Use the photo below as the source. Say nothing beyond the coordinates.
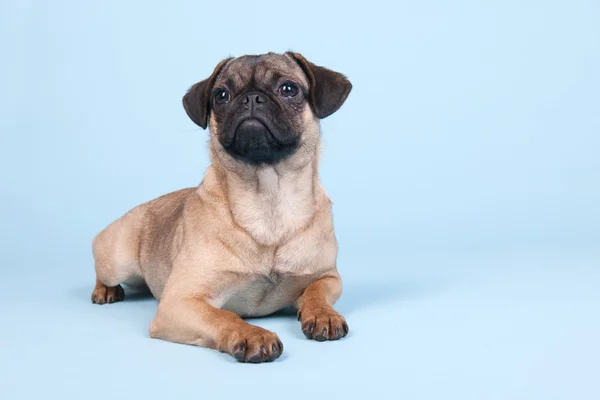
(321, 337)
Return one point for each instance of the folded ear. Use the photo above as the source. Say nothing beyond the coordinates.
(328, 89)
(197, 99)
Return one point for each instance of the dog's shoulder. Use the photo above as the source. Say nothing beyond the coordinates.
(168, 201)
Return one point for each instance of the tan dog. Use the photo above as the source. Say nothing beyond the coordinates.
(257, 234)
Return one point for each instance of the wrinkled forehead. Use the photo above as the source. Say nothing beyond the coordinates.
(262, 69)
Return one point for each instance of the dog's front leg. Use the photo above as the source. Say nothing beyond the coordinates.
(315, 309)
(195, 321)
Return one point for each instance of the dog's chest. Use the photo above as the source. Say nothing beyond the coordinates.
(279, 282)
(273, 207)
(260, 295)
(294, 245)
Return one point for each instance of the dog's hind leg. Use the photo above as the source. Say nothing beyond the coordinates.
(116, 259)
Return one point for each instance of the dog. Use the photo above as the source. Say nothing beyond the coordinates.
(256, 236)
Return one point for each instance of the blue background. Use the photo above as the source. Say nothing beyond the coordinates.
(464, 170)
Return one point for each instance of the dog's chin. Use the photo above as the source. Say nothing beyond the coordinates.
(254, 143)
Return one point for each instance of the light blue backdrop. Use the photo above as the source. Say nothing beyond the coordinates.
(464, 170)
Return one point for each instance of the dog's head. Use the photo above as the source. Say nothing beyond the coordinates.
(262, 109)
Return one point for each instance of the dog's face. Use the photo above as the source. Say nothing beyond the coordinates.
(262, 109)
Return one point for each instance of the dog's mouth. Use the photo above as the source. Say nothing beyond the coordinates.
(254, 126)
(253, 141)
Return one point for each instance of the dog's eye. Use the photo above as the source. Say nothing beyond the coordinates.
(288, 89)
(222, 96)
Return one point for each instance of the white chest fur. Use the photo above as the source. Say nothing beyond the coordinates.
(286, 211)
(273, 205)
(284, 273)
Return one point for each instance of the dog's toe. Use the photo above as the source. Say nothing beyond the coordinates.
(323, 324)
(103, 294)
(255, 345)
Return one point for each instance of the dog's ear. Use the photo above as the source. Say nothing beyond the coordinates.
(197, 99)
(328, 89)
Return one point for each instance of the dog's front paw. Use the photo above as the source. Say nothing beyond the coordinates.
(254, 345)
(322, 324)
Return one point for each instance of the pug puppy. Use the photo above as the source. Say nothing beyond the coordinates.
(257, 234)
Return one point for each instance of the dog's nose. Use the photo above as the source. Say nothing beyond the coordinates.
(253, 100)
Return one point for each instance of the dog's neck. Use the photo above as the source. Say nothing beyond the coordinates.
(271, 203)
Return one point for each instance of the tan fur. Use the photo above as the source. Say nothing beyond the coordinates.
(247, 242)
